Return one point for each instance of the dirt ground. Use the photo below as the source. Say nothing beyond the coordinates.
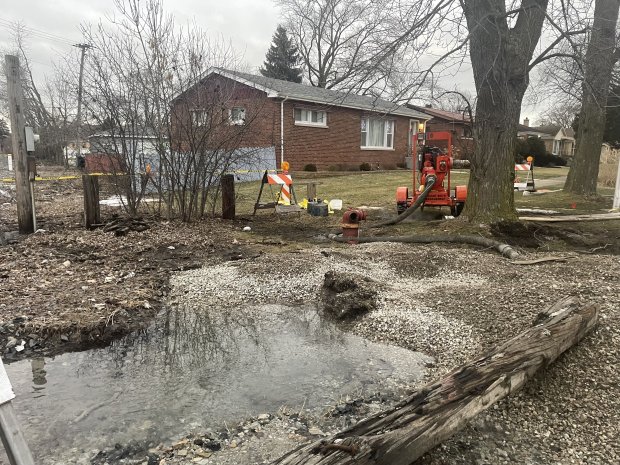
(66, 288)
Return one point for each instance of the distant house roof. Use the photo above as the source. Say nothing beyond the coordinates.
(548, 131)
(451, 116)
(276, 88)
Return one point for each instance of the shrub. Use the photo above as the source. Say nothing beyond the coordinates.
(401, 165)
(365, 167)
(311, 167)
(607, 174)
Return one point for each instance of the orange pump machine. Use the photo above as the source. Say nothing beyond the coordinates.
(432, 158)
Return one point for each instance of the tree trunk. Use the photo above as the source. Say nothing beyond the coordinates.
(402, 434)
(500, 57)
(599, 63)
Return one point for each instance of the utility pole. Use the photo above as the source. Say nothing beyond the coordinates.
(25, 208)
(83, 48)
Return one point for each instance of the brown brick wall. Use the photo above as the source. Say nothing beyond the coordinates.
(337, 145)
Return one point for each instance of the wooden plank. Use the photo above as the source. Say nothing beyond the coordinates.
(571, 218)
(228, 196)
(402, 434)
(12, 438)
(92, 214)
(25, 210)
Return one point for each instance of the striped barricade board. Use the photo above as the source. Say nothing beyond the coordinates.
(528, 184)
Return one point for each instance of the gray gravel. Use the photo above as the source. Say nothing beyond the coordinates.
(453, 303)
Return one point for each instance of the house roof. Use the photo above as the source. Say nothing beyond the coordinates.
(450, 116)
(276, 88)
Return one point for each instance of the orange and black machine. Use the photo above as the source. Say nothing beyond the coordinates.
(432, 158)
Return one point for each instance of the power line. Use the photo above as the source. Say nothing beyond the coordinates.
(36, 32)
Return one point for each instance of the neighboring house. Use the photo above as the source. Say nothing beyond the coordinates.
(458, 123)
(558, 141)
(112, 153)
(70, 151)
(302, 124)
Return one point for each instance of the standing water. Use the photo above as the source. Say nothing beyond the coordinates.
(192, 370)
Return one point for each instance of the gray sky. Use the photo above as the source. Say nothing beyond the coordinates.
(248, 24)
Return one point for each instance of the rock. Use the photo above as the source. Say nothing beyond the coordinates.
(64, 338)
(212, 445)
(182, 452)
(66, 263)
(152, 459)
(263, 417)
(347, 295)
(247, 229)
(315, 431)
(11, 342)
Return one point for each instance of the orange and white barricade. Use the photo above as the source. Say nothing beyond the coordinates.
(285, 181)
(528, 183)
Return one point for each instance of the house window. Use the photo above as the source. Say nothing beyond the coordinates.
(200, 118)
(305, 117)
(377, 133)
(236, 116)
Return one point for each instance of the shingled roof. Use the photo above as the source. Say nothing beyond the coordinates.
(276, 88)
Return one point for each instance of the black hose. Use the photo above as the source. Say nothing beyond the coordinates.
(430, 182)
(503, 249)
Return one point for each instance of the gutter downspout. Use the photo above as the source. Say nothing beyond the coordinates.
(282, 130)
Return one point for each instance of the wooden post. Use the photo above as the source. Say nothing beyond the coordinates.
(25, 211)
(405, 432)
(12, 438)
(91, 200)
(228, 196)
(616, 204)
(311, 191)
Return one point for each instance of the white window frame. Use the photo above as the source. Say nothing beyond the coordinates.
(199, 122)
(307, 112)
(388, 130)
(237, 122)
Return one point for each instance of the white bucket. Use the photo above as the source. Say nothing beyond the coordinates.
(335, 204)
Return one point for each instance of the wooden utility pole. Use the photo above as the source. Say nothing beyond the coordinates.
(25, 209)
(78, 142)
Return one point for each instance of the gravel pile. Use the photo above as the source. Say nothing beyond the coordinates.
(453, 303)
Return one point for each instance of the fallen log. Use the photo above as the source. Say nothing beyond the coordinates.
(431, 415)
(503, 249)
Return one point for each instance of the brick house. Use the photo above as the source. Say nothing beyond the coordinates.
(458, 123)
(558, 140)
(299, 123)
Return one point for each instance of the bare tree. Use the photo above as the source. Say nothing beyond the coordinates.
(370, 46)
(155, 125)
(600, 59)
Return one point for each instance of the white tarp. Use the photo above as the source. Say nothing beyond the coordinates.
(6, 390)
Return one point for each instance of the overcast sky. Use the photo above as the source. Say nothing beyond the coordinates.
(248, 24)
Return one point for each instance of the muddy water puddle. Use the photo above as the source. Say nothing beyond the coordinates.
(197, 369)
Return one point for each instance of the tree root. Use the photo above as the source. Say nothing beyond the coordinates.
(503, 249)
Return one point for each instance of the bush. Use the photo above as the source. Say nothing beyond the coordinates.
(310, 167)
(365, 167)
(402, 165)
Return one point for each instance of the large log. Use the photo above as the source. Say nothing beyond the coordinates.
(402, 434)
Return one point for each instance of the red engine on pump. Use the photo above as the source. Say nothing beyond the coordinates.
(436, 163)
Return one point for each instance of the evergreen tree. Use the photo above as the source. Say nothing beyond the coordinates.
(282, 58)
